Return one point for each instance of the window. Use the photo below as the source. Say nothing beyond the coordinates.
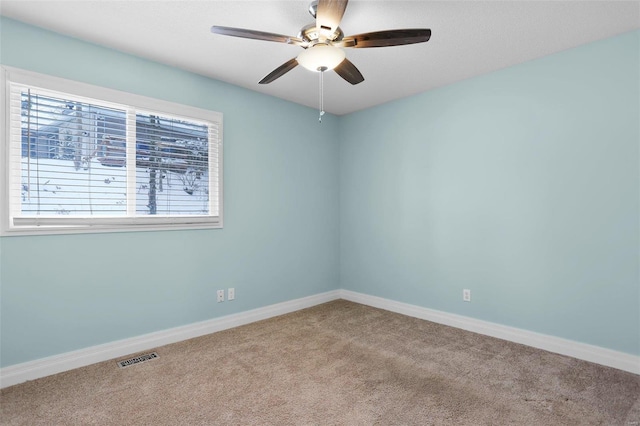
(80, 158)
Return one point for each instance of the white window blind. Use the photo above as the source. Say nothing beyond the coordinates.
(91, 163)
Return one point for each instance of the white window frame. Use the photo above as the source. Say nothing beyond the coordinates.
(128, 101)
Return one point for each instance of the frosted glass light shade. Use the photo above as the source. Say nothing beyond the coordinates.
(321, 56)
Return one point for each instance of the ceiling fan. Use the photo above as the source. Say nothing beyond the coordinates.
(324, 40)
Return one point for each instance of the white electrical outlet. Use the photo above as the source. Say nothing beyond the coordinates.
(231, 293)
(466, 295)
(220, 294)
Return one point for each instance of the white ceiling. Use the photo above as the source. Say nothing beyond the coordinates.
(468, 38)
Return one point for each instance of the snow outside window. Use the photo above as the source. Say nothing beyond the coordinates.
(81, 158)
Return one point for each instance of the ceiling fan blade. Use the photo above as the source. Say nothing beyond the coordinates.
(255, 35)
(280, 71)
(386, 38)
(349, 72)
(329, 14)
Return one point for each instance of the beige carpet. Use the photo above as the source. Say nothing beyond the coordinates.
(335, 364)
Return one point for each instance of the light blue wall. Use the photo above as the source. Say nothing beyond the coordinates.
(521, 185)
(280, 240)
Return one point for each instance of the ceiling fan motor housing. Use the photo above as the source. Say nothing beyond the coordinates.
(310, 34)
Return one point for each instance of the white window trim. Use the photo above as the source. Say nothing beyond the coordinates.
(10, 75)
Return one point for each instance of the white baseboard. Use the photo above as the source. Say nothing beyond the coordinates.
(583, 351)
(31, 370)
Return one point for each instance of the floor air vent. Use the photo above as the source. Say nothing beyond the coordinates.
(137, 360)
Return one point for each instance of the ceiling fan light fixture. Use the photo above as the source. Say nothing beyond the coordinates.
(321, 57)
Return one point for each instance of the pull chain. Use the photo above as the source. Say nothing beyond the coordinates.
(322, 70)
